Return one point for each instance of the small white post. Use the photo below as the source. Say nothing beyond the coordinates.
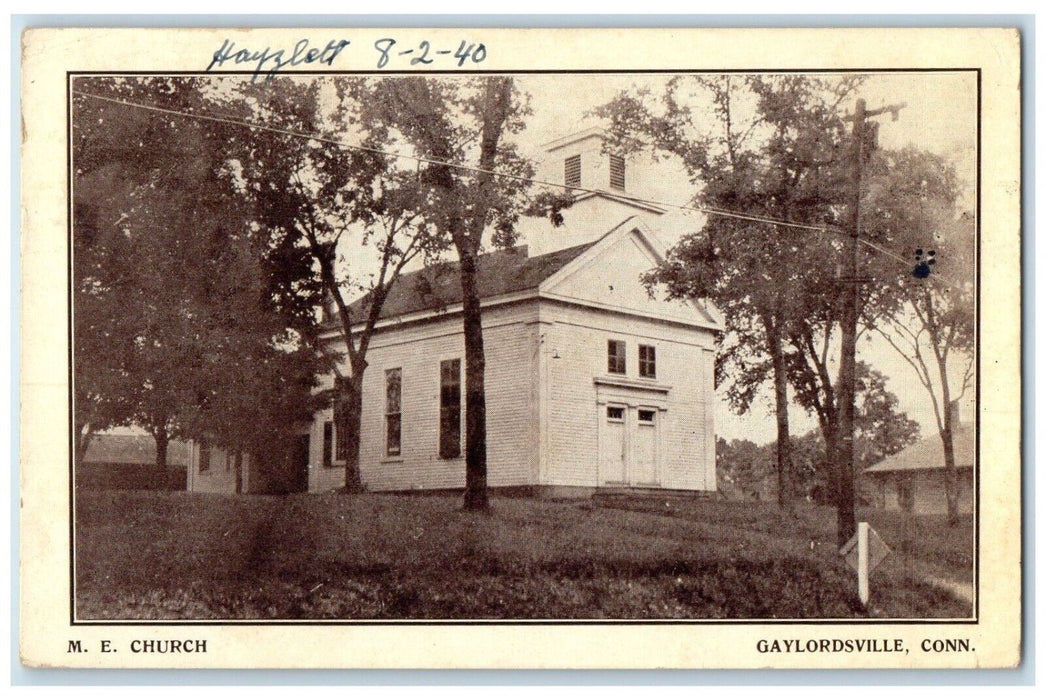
(862, 562)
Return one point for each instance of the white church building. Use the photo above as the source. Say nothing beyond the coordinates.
(590, 382)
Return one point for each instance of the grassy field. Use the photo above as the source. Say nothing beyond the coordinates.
(149, 555)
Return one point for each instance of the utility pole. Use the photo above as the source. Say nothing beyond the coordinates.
(844, 470)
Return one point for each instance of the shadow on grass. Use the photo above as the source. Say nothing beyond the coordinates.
(380, 557)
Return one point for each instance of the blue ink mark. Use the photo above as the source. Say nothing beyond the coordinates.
(423, 58)
(300, 54)
(383, 46)
(923, 263)
(422, 53)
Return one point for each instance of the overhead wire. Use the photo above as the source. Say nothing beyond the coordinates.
(450, 164)
(755, 218)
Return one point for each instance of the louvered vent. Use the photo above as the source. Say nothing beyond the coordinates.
(572, 171)
(617, 172)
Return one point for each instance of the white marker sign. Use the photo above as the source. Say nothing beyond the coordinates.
(864, 551)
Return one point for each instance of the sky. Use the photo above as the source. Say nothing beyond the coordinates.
(940, 116)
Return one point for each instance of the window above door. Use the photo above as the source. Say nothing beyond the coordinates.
(616, 357)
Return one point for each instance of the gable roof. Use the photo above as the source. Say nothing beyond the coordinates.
(928, 453)
(133, 449)
(622, 198)
(500, 272)
(633, 227)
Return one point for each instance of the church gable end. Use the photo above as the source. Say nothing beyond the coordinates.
(610, 276)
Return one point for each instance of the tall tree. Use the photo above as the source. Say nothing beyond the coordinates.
(464, 122)
(767, 147)
(913, 201)
(102, 339)
(320, 205)
(173, 261)
(130, 322)
(255, 375)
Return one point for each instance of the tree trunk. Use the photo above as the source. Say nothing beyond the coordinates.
(951, 476)
(475, 400)
(784, 444)
(238, 468)
(843, 488)
(351, 399)
(162, 440)
(831, 457)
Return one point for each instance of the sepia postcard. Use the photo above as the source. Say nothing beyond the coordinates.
(520, 348)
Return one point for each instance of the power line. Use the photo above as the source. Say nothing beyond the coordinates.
(889, 253)
(459, 166)
(755, 218)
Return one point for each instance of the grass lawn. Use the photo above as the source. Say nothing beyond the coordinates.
(151, 555)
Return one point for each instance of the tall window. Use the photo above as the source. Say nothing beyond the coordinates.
(616, 356)
(572, 171)
(393, 416)
(617, 172)
(205, 456)
(341, 433)
(450, 409)
(328, 442)
(647, 361)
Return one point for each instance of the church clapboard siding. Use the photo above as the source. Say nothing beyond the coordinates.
(552, 405)
(417, 350)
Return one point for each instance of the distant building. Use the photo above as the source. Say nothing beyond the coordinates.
(913, 480)
(114, 461)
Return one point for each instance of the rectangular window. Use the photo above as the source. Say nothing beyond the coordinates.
(572, 171)
(450, 409)
(646, 415)
(341, 433)
(328, 442)
(647, 361)
(617, 172)
(616, 356)
(615, 414)
(205, 456)
(393, 416)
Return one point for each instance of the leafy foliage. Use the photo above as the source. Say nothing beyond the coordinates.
(770, 147)
(176, 329)
(929, 317)
(881, 429)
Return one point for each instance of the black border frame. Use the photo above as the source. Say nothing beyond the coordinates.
(974, 620)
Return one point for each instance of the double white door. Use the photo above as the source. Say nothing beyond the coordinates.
(628, 446)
